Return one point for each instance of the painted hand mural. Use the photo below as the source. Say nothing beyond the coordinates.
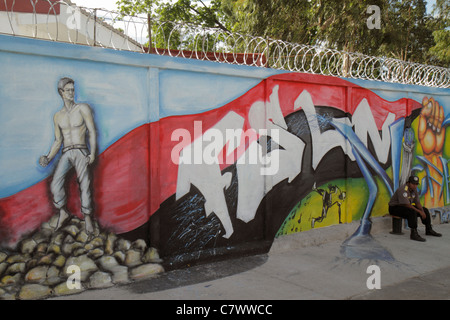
(431, 135)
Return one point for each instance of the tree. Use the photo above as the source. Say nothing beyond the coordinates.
(338, 24)
(442, 48)
(407, 32)
(170, 14)
(192, 11)
(342, 25)
(441, 34)
(277, 19)
(135, 7)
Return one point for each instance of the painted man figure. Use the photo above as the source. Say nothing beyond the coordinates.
(72, 123)
(327, 202)
(405, 203)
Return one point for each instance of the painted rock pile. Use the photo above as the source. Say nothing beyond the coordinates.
(43, 264)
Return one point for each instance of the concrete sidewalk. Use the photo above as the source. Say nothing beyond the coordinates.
(307, 265)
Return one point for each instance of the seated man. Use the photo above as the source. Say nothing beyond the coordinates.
(405, 203)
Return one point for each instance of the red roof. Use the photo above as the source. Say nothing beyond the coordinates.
(257, 59)
(26, 6)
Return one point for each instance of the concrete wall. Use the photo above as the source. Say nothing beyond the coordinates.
(181, 157)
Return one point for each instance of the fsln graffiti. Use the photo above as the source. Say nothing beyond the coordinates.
(286, 153)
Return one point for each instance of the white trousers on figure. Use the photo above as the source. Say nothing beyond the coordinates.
(78, 159)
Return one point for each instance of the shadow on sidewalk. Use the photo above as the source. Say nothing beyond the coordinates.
(196, 274)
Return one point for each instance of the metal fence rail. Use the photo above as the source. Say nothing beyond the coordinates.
(61, 21)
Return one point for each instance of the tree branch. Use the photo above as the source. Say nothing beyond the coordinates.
(217, 22)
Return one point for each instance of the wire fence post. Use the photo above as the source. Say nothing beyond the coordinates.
(149, 25)
(346, 65)
(95, 27)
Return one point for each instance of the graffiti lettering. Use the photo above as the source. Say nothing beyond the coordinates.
(210, 152)
(322, 142)
(252, 186)
(284, 161)
(365, 127)
(363, 122)
(208, 177)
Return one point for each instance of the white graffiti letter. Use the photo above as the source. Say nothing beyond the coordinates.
(322, 142)
(285, 163)
(365, 125)
(208, 177)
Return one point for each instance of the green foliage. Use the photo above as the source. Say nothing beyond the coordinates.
(407, 32)
(179, 11)
(442, 48)
(441, 33)
(135, 7)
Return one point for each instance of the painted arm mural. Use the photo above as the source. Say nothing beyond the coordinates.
(431, 135)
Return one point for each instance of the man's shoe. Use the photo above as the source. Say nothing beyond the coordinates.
(431, 232)
(415, 236)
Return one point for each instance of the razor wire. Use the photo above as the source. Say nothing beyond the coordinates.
(64, 22)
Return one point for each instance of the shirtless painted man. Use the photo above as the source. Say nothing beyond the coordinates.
(72, 123)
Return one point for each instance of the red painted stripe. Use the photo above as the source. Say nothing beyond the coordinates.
(131, 179)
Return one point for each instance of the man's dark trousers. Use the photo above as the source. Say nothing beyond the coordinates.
(410, 215)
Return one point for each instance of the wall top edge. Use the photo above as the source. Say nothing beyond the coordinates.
(23, 45)
(31, 46)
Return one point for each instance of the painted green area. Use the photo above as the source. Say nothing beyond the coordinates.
(352, 207)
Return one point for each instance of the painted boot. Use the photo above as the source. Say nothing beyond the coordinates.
(415, 236)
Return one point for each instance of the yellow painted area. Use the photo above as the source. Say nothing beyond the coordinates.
(352, 207)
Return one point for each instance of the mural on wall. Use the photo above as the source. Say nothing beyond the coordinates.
(328, 195)
(72, 124)
(341, 155)
(430, 165)
(213, 163)
(431, 136)
(65, 214)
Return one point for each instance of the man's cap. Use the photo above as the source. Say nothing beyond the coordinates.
(413, 179)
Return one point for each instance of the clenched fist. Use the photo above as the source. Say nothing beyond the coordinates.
(431, 136)
(431, 133)
(43, 161)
